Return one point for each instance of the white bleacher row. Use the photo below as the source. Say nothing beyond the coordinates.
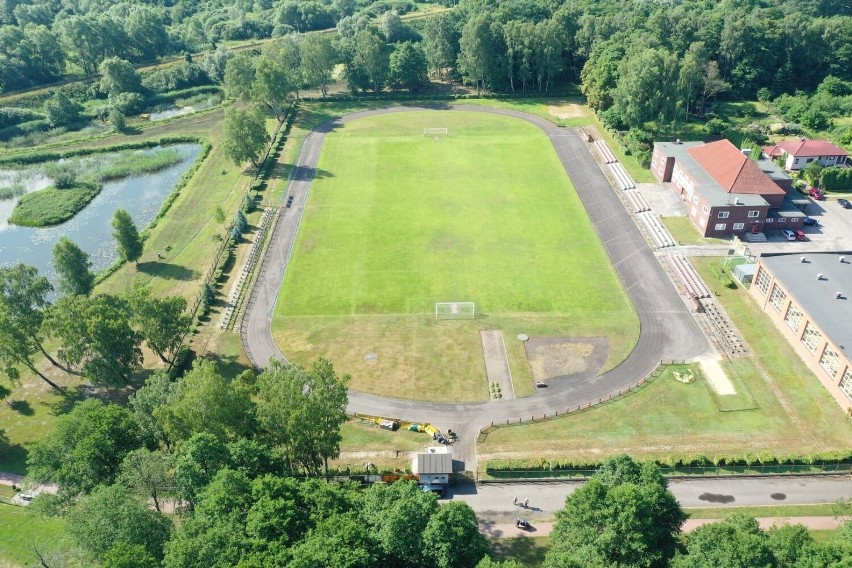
(688, 276)
(637, 202)
(248, 266)
(606, 154)
(622, 178)
(659, 234)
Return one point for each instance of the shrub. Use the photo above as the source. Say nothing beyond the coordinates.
(63, 174)
(11, 116)
(837, 179)
(181, 76)
(128, 103)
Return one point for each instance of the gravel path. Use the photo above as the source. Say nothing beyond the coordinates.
(496, 362)
(668, 330)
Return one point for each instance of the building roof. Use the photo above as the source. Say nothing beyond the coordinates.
(732, 170)
(709, 188)
(817, 297)
(433, 463)
(807, 148)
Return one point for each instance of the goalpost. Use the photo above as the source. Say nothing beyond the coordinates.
(436, 132)
(455, 310)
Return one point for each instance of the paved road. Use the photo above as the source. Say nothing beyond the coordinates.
(509, 530)
(493, 502)
(668, 331)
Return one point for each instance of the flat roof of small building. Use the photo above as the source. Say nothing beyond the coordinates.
(817, 297)
(433, 463)
(709, 188)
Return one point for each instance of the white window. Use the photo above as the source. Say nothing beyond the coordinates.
(769, 219)
(720, 227)
(830, 361)
(782, 220)
(723, 214)
(693, 212)
(738, 226)
(695, 199)
(812, 338)
(705, 210)
(753, 214)
(793, 317)
(846, 382)
(777, 297)
(762, 280)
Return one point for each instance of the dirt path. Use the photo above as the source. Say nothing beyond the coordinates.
(496, 361)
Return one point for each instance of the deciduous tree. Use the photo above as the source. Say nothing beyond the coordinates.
(245, 137)
(163, 322)
(147, 473)
(72, 268)
(119, 76)
(318, 60)
(452, 538)
(735, 542)
(290, 397)
(62, 111)
(126, 237)
(398, 515)
(85, 448)
(372, 57)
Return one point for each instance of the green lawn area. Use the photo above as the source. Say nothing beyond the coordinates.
(51, 205)
(397, 221)
(824, 510)
(793, 413)
(684, 232)
(22, 531)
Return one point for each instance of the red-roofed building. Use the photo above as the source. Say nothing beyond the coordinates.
(799, 153)
(725, 191)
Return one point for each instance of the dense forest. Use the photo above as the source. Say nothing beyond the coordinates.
(644, 66)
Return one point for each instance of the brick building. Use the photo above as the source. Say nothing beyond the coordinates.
(808, 299)
(725, 191)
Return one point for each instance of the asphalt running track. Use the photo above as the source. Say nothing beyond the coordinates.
(667, 329)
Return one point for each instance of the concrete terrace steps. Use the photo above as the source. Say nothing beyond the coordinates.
(620, 175)
(658, 232)
(605, 153)
(245, 272)
(689, 277)
(636, 201)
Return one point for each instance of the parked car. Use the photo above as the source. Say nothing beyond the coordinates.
(810, 222)
(817, 193)
(800, 235)
(789, 234)
(436, 489)
(844, 203)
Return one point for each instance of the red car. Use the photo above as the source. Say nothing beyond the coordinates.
(800, 235)
(817, 193)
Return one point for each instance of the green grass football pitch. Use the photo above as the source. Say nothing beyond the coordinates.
(397, 221)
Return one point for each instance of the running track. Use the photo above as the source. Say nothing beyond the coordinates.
(667, 329)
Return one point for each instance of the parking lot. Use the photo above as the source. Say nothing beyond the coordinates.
(834, 232)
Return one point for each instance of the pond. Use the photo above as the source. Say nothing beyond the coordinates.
(91, 228)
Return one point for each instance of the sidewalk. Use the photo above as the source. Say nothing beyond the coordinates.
(495, 530)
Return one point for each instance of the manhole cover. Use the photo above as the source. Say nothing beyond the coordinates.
(370, 357)
(523, 337)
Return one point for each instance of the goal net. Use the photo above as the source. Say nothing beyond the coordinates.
(455, 310)
(436, 132)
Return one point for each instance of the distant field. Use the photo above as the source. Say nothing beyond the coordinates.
(397, 221)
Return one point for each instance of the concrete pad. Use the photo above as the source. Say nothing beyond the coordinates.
(716, 376)
(496, 361)
(661, 199)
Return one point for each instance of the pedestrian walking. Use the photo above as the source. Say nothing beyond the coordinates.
(526, 502)
(514, 500)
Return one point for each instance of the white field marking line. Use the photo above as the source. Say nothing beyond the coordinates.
(508, 369)
(716, 376)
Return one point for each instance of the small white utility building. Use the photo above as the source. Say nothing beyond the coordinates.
(433, 467)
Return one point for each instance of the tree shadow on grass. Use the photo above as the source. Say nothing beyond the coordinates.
(526, 550)
(65, 403)
(166, 270)
(13, 457)
(229, 366)
(21, 407)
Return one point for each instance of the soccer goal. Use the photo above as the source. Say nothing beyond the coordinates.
(436, 132)
(455, 310)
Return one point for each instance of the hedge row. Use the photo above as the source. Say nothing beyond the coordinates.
(836, 179)
(676, 461)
